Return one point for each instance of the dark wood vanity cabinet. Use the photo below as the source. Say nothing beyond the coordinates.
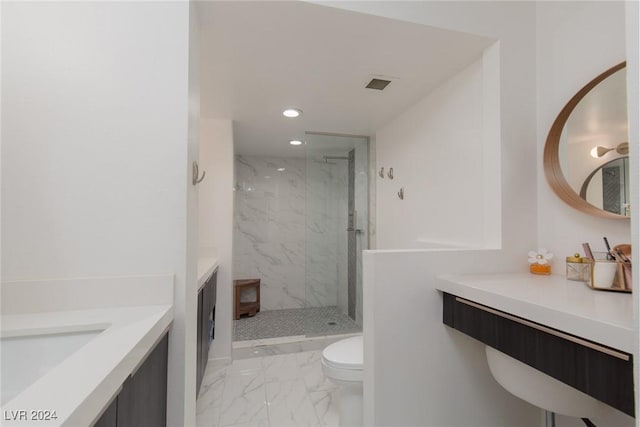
(142, 402)
(206, 313)
(597, 370)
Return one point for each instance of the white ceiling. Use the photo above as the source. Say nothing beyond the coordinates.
(261, 57)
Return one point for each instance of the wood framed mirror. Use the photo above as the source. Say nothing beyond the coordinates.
(590, 131)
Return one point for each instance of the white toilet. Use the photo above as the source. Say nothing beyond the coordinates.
(342, 365)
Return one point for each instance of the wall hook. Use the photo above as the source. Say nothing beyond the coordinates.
(390, 173)
(195, 172)
(401, 193)
(381, 173)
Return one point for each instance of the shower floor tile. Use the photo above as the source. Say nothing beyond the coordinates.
(311, 321)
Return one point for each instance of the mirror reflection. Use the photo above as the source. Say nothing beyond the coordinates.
(608, 187)
(593, 140)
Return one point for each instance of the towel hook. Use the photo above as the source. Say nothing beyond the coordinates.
(195, 172)
(390, 173)
(381, 173)
(401, 193)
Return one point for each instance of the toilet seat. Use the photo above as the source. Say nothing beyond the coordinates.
(343, 360)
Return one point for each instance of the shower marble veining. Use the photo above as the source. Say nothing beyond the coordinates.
(280, 390)
(269, 235)
(287, 228)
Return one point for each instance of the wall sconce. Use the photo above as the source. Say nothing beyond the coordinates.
(622, 148)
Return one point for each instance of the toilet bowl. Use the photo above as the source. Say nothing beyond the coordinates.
(342, 365)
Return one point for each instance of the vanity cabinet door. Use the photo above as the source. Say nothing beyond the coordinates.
(109, 417)
(143, 399)
(199, 331)
(142, 402)
(599, 371)
(206, 306)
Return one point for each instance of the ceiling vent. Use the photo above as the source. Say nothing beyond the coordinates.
(378, 84)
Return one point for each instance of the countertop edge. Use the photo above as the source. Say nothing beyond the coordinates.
(93, 406)
(206, 267)
(595, 330)
(95, 383)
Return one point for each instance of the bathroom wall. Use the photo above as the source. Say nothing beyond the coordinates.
(576, 41)
(97, 138)
(632, 21)
(441, 159)
(286, 229)
(215, 221)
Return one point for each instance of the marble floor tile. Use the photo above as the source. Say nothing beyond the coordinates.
(272, 390)
(260, 423)
(325, 404)
(243, 399)
(290, 405)
(208, 416)
(245, 366)
(209, 401)
(311, 371)
(282, 367)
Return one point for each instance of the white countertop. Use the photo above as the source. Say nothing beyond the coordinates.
(82, 385)
(207, 264)
(569, 306)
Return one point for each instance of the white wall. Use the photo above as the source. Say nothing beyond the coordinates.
(439, 156)
(215, 218)
(576, 41)
(94, 152)
(417, 371)
(182, 354)
(632, 21)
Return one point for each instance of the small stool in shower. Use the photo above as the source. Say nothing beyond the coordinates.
(246, 307)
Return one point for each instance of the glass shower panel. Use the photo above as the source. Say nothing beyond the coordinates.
(336, 232)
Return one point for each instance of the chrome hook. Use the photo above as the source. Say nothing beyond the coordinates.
(381, 173)
(401, 193)
(390, 173)
(195, 172)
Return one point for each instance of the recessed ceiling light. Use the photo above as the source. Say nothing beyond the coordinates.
(295, 142)
(292, 112)
(280, 169)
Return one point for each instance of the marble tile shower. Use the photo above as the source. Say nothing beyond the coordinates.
(289, 216)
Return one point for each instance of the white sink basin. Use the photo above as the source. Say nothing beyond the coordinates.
(541, 390)
(27, 358)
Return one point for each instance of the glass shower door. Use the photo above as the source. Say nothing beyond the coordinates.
(336, 232)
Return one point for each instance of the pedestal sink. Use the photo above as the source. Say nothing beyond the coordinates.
(541, 390)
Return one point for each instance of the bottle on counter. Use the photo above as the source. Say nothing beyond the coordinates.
(577, 269)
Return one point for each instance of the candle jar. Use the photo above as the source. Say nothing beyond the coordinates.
(576, 269)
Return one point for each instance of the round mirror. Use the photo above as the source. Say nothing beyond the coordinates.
(585, 142)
